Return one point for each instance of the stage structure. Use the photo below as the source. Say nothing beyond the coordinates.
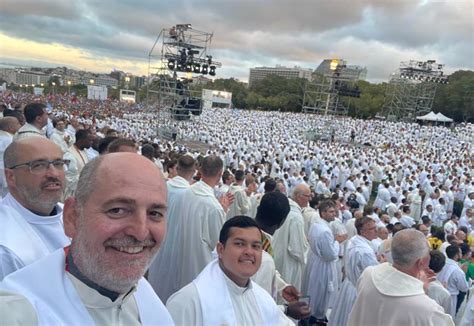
(183, 54)
(412, 89)
(323, 94)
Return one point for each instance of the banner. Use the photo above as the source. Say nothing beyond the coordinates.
(96, 92)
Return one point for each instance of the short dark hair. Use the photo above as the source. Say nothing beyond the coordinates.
(211, 166)
(452, 251)
(148, 151)
(437, 261)
(82, 134)
(171, 164)
(186, 163)
(239, 175)
(239, 221)
(33, 110)
(273, 209)
(464, 248)
(326, 204)
(270, 185)
(114, 146)
(225, 175)
(105, 142)
(360, 222)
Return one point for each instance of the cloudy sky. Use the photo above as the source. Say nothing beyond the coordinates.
(101, 35)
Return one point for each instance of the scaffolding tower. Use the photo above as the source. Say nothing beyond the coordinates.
(183, 54)
(412, 89)
(323, 94)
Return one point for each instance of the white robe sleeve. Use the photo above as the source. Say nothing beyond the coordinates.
(297, 244)
(329, 247)
(9, 262)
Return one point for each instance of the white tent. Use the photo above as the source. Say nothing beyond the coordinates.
(443, 118)
(429, 117)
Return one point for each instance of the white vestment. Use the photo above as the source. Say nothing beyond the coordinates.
(59, 138)
(57, 301)
(290, 247)
(162, 273)
(25, 237)
(321, 273)
(438, 293)
(386, 296)
(5, 140)
(468, 317)
(241, 203)
(358, 257)
(267, 276)
(199, 217)
(455, 278)
(28, 130)
(77, 160)
(212, 299)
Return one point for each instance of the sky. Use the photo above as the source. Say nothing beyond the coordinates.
(102, 35)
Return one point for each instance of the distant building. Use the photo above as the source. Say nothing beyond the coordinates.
(259, 73)
(201, 80)
(103, 80)
(23, 77)
(350, 72)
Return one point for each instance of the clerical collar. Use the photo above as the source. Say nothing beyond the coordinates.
(72, 268)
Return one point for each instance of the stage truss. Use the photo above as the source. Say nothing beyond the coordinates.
(412, 89)
(323, 94)
(178, 54)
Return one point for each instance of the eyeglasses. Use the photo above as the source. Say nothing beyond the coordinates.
(40, 166)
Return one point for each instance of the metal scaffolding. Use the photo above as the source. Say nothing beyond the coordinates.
(322, 94)
(412, 89)
(183, 54)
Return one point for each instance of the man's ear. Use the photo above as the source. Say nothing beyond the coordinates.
(70, 217)
(10, 177)
(220, 249)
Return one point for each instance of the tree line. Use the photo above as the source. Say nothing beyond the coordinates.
(455, 99)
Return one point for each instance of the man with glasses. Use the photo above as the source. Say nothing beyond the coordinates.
(30, 216)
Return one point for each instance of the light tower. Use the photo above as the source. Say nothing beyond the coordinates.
(184, 52)
(412, 89)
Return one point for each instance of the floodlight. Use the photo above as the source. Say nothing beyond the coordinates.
(171, 64)
(189, 67)
(197, 68)
(204, 69)
(212, 71)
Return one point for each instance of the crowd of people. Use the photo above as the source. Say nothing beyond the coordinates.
(267, 226)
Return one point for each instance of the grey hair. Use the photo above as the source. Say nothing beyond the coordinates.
(10, 156)
(408, 246)
(86, 182)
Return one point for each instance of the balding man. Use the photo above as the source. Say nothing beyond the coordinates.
(36, 117)
(290, 246)
(116, 221)
(30, 216)
(8, 128)
(380, 286)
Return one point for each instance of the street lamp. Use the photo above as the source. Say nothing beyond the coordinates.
(42, 84)
(54, 87)
(92, 81)
(127, 80)
(68, 87)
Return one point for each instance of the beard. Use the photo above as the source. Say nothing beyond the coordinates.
(40, 199)
(103, 268)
